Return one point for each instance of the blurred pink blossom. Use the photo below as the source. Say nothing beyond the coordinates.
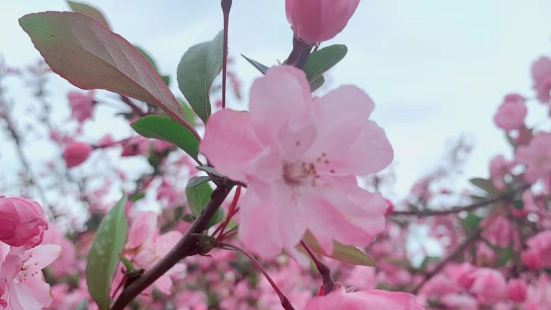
(76, 153)
(511, 113)
(82, 105)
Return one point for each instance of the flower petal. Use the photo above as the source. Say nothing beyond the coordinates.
(280, 98)
(230, 143)
(269, 219)
(351, 142)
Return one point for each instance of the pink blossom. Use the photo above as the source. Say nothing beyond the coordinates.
(459, 301)
(538, 255)
(538, 296)
(21, 271)
(361, 300)
(500, 232)
(82, 105)
(135, 146)
(489, 286)
(67, 263)
(76, 153)
(146, 247)
(511, 113)
(319, 20)
(22, 222)
(299, 156)
(516, 290)
(499, 168)
(536, 156)
(541, 75)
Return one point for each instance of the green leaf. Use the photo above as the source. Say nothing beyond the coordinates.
(198, 195)
(317, 83)
(345, 253)
(321, 61)
(504, 255)
(90, 56)
(471, 223)
(105, 254)
(196, 72)
(166, 129)
(485, 185)
(260, 67)
(88, 10)
(189, 115)
(210, 170)
(195, 181)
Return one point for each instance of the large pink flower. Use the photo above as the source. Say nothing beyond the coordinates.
(22, 222)
(300, 156)
(319, 20)
(24, 287)
(361, 300)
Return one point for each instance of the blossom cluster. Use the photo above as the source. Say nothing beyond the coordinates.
(277, 205)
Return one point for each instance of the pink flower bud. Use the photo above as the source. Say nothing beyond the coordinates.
(76, 153)
(22, 222)
(316, 21)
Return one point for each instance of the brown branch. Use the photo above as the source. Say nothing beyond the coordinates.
(187, 246)
(471, 207)
(458, 251)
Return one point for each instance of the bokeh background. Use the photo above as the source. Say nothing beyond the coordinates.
(437, 70)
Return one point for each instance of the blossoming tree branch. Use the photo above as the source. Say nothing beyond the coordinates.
(275, 206)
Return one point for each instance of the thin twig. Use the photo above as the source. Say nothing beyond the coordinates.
(458, 251)
(459, 209)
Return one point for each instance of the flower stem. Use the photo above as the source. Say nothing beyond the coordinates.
(325, 272)
(226, 7)
(285, 303)
(231, 212)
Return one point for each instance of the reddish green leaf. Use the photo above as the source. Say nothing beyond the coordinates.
(90, 56)
(345, 253)
(88, 10)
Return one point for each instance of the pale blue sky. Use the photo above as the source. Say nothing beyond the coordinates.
(436, 69)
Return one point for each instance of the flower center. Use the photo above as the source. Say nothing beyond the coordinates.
(302, 172)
